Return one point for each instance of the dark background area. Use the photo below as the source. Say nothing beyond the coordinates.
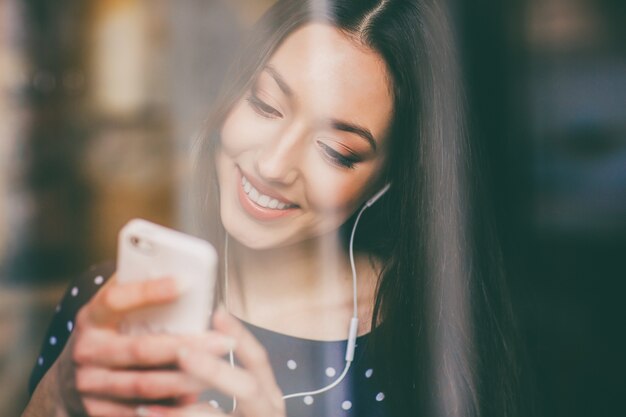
(546, 86)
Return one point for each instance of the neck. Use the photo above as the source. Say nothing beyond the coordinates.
(304, 290)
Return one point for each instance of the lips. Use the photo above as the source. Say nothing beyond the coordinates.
(261, 202)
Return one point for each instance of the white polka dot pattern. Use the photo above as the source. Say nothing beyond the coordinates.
(292, 365)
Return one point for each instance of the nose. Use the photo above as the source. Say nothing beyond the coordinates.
(279, 160)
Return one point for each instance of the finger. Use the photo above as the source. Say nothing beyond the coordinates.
(252, 397)
(218, 374)
(251, 354)
(115, 300)
(97, 407)
(134, 385)
(106, 348)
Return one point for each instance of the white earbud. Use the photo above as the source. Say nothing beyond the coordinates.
(379, 194)
(354, 321)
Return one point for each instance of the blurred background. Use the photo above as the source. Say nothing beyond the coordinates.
(100, 101)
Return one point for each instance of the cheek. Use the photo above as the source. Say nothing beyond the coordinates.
(235, 132)
(343, 192)
(332, 195)
(243, 130)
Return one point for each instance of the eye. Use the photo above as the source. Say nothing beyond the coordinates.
(338, 158)
(262, 108)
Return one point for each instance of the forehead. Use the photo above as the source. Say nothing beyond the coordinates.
(333, 76)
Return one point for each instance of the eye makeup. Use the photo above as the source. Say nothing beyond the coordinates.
(338, 158)
(333, 156)
(262, 108)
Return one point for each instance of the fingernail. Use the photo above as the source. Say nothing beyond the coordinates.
(173, 288)
(166, 288)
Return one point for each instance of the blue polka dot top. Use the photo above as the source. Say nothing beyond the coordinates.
(300, 365)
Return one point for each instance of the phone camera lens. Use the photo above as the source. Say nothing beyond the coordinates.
(144, 245)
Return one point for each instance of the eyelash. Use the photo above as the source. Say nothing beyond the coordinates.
(337, 158)
(265, 110)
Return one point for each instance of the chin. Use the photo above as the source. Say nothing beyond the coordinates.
(245, 234)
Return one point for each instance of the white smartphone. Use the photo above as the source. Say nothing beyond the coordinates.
(148, 251)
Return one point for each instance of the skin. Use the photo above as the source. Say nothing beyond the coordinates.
(286, 142)
(283, 143)
(102, 372)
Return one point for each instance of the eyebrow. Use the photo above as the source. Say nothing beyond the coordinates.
(336, 124)
(282, 84)
(352, 128)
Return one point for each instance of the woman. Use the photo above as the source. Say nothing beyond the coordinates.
(332, 102)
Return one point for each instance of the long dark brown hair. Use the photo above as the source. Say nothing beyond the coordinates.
(443, 339)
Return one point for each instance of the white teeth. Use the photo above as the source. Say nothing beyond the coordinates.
(261, 199)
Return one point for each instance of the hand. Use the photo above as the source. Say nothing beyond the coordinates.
(105, 373)
(252, 383)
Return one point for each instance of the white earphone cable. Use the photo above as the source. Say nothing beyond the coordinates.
(231, 355)
(354, 321)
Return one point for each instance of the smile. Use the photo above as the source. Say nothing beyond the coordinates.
(265, 205)
(263, 200)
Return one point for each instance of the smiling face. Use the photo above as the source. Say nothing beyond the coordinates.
(305, 146)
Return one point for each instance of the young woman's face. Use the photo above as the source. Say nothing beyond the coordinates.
(305, 146)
